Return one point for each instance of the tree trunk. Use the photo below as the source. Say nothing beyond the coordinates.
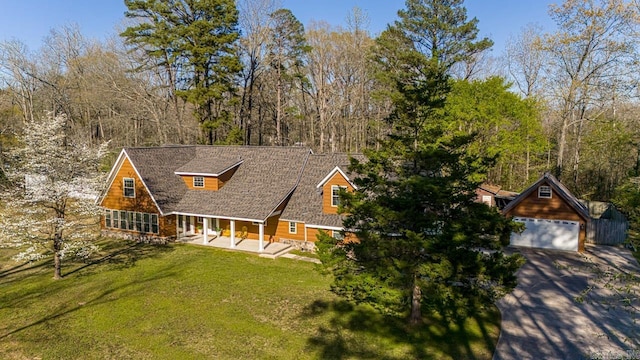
(416, 303)
(57, 261)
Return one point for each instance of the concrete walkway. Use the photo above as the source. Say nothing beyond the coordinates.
(573, 306)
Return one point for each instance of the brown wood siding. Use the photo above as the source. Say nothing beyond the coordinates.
(210, 183)
(556, 208)
(282, 232)
(115, 200)
(482, 192)
(168, 225)
(336, 179)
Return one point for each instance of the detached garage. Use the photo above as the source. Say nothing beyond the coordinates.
(553, 217)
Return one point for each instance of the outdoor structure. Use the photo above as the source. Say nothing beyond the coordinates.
(553, 217)
(269, 194)
(493, 195)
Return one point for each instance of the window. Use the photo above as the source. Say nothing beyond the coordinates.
(198, 181)
(130, 216)
(115, 222)
(544, 192)
(335, 194)
(134, 221)
(154, 223)
(199, 219)
(129, 187)
(293, 229)
(123, 220)
(146, 224)
(138, 221)
(337, 235)
(486, 199)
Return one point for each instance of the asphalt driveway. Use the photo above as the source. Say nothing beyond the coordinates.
(573, 306)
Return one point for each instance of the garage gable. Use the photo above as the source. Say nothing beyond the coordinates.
(547, 198)
(552, 216)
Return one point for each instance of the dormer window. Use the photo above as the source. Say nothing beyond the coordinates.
(335, 194)
(544, 192)
(198, 181)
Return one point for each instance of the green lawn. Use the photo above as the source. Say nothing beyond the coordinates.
(189, 302)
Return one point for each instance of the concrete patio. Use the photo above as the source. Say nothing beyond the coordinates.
(271, 250)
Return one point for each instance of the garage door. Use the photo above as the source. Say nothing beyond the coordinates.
(548, 234)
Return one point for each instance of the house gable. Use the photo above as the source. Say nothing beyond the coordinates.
(332, 183)
(114, 196)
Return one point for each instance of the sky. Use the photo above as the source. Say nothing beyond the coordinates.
(30, 21)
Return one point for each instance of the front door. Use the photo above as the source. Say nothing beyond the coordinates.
(188, 224)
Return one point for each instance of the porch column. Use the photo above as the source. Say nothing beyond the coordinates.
(261, 237)
(233, 233)
(184, 225)
(205, 230)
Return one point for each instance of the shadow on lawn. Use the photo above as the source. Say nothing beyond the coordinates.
(103, 295)
(118, 253)
(122, 254)
(114, 255)
(361, 332)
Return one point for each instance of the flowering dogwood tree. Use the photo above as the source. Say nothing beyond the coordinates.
(49, 208)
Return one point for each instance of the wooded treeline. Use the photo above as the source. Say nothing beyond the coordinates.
(248, 72)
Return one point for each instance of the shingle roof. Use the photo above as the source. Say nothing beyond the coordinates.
(263, 180)
(306, 202)
(203, 164)
(559, 188)
(156, 166)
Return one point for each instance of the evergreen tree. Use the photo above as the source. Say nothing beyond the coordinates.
(286, 50)
(423, 242)
(197, 38)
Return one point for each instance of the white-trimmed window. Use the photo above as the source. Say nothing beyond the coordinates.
(107, 218)
(198, 181)
(138, 221)
(337, 235)
(293, 227)
(128, 187)
(199, 219)
(123, 220)
(335, 194)
(116, 221)
(544, 192)
(154, 223)
(146, 224)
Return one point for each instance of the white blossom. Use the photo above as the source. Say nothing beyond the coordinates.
(45, 214)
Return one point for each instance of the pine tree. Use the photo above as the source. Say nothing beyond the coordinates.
(198, 39)
(423, 242)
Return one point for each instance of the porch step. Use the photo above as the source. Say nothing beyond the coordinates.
(278, 253)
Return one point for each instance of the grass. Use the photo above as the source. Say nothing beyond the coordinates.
(189, 302)
(308, 254)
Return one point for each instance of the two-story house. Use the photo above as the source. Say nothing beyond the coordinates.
(270, 194)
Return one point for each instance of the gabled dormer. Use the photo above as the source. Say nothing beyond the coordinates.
(198, 174)
(330, 187)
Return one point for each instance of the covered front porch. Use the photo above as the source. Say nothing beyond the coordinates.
(224, 242)
(223, 233)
